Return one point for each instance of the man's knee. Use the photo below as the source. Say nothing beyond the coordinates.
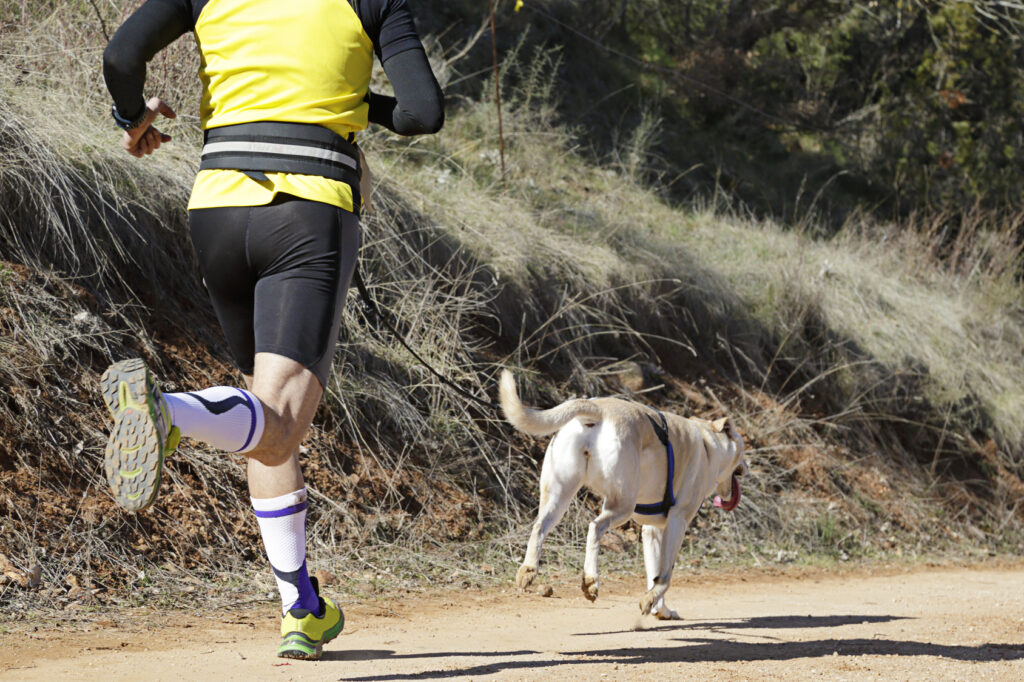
(271, 457)
(281, 439)
(290, 394)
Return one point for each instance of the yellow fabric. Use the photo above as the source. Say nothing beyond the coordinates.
(311, 626)
(214, 188)
(266, 60)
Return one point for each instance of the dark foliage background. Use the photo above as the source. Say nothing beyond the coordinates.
(889, 107)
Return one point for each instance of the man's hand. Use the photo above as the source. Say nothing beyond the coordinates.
(144, 139)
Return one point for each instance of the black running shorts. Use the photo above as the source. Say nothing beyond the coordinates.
(277, 276)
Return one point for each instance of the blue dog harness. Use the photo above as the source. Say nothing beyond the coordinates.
(669, 500)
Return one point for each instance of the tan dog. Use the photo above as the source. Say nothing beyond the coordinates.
(611, 446)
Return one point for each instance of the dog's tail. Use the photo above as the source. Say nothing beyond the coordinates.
(541, 422)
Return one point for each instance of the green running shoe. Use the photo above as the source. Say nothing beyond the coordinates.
(305, 635)
(142, 435)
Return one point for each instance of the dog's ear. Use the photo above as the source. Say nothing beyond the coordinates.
(720, 425)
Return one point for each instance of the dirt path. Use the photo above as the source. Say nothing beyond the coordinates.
(962, 624)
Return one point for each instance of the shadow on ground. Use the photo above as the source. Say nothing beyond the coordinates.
(696, 649)
(772, 622)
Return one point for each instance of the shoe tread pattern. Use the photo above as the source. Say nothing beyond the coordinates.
(133, 459)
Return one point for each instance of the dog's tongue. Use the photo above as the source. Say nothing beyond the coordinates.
(734, 500)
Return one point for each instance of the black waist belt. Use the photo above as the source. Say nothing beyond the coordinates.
(278, 147)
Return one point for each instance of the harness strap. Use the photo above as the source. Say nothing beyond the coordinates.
(280, 147)
(669, 501)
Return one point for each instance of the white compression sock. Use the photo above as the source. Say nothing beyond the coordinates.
(227, 418)
(282, 523)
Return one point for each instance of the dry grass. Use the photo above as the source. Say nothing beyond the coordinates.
(876, 376)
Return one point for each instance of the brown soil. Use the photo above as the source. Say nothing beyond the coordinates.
(921, 624)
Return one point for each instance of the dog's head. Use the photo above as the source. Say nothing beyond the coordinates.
(731, 465)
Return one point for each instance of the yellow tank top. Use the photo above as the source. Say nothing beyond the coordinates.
(299, 61)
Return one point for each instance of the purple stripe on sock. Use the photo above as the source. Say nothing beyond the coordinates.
(308, 599)
(278, 513)
(252, 426)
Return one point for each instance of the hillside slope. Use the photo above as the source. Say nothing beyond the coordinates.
(879, 390)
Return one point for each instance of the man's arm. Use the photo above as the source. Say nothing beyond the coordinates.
(148, 30)
(418, 104)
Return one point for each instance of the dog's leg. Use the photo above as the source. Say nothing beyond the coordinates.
(671, 542)
(613, 514)
(555, 496)
(653, 537)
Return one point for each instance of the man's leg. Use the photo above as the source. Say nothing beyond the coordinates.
(277, 277)
(290, 394)
(287, 395)
(275, 414)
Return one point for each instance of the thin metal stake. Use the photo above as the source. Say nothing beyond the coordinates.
(497, 94)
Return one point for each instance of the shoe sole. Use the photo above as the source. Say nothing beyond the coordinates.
(305, 649)
(133, 460)
(301, 649)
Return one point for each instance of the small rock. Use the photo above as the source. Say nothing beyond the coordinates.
(631, 376)
(325, 577)
(85, 318)
(17, 578)
(613, 542)
(545, 590)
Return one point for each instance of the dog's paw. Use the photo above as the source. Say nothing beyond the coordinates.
(665, 613)
(590, 587)
(646, 603)
(525, 576)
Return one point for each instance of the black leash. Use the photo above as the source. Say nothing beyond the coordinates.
(375, 311)
(660, 508)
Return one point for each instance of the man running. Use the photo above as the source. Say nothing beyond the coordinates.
(274, 220)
